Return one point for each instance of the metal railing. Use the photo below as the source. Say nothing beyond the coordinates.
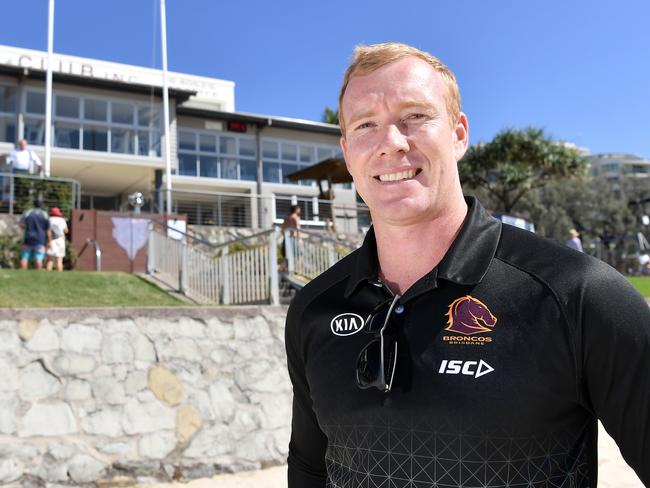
(20, 191)
(228, 274)
(230, 209)
(308, 254)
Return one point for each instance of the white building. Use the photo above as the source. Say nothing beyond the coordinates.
(107, 134)
(616, 166)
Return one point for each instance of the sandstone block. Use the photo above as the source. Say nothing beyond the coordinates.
(136, 381)
(250, 328)
(188, 422)
(9, 342)
(123, 450)
(144, 349)
(220, 331)
(164, 384)
(81, 338)
(62, 451)
(48, 420)
(223, 403)
(179, 349)
(27, 328)
(192, 328)
(203, 445)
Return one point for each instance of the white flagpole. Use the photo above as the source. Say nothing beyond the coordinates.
(48, 90)
(168, 164)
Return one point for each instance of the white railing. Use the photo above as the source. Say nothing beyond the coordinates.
(215, 274)
(309, 254)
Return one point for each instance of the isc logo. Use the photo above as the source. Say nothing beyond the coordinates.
(468, 368)
(346, 324)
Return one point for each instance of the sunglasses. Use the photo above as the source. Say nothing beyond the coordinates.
(377, 360)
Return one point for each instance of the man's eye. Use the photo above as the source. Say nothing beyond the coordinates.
(365, 125)
(416, 116)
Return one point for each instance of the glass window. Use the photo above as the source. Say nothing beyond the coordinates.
(248, 169)
(270, 150)
(227, 145)
(287, 169)
(122, 113)
(122, 141)
(7, 99)
(149, 143)
(306, 154)
(247, 147)
(96, 139)
(187, 164)
(229, 168)
(209, 165)
(186, 140)
(208, 143)
(7, 129)
(323, 153)
(35, 131)
(289, 152)
(149, 117)
(271, 172)
(95, 110)
(35, 103)
(66, 135)
(67, 106)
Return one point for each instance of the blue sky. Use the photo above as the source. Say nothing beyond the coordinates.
(578, 68)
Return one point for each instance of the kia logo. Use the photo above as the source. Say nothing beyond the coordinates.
(346, 324)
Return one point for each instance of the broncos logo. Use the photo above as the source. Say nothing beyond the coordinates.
(469, 316)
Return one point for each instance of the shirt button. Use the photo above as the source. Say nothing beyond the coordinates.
(399, 309)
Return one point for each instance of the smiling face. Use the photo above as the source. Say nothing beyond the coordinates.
(400, 144)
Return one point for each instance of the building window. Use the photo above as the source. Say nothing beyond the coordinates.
(95, 124)
(7, 113)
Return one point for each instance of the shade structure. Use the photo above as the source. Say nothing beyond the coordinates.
(332, 170)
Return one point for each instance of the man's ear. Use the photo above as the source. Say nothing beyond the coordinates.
(461, 136)
(344, 148)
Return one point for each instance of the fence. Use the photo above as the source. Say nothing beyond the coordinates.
(243, 271)
(229, 209)
(20, 191)
(308, 254)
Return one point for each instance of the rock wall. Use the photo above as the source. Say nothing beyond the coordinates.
(108, 397)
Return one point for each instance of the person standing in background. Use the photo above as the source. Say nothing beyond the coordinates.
(574, 241)
(24, 160)
(56, 249)
(37, 236)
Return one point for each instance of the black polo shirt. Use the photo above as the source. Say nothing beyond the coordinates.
(509, 351)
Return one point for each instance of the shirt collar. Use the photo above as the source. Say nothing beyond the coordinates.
(465, 263)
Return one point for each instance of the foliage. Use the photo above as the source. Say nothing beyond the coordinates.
(27, 289)
(331, 116)
(51, 193)
(9, 251)
(516, 162)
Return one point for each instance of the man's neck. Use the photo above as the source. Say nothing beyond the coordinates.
(407, 253)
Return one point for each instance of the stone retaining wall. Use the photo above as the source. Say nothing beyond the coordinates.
(115, 396)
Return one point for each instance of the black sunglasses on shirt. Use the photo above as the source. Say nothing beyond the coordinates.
(377, 360)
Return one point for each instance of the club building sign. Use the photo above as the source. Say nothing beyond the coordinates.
(208, 89)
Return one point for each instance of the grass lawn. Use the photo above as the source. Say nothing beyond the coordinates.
(641, 283)
(32, 289)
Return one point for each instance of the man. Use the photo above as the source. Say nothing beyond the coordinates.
(37, 236)
(452, 350)
(290, 227)
(24, 160)
(574, 241)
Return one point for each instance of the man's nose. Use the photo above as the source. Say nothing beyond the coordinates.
(393, 141)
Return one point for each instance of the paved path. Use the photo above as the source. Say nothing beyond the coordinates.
(613, 473)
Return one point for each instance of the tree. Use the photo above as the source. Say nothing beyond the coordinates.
(331, 116)
(516, 162)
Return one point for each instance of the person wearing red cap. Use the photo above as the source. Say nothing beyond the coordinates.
(56, 250)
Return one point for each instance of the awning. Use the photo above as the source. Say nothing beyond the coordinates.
(332, 170)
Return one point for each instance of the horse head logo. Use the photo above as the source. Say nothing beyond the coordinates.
(469, 316)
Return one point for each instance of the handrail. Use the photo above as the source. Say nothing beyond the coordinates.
(98, 252)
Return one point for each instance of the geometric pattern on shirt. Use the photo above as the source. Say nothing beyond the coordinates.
(377, 455)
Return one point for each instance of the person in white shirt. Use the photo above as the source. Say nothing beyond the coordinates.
(24, 160)
(56, 249)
